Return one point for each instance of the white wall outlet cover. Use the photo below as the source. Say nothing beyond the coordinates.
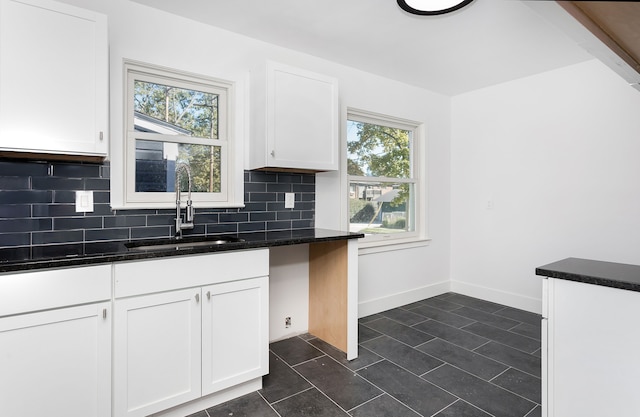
(84, 201)
(289, 200)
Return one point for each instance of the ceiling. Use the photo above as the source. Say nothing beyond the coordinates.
(486, 43)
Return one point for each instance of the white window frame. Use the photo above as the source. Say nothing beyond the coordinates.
(231, 186)
(418, 179)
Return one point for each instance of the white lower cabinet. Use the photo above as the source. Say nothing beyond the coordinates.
(590, 345)
(55, 342)
(57, 362)
(235, 334)
(157, 352)
(180, 345)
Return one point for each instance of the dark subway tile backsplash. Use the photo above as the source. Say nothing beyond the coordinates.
(38, 217)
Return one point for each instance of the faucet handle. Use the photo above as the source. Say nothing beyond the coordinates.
(190, 211)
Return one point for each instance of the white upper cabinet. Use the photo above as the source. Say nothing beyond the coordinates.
(294, 120)
(53, 78)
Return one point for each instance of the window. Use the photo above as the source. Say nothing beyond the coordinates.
(173, 118)
(383, 176)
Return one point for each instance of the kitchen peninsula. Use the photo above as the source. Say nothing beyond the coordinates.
(590, 338)
(192, 310)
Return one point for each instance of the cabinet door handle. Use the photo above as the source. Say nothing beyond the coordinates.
(273, 154)
(197, 298)
(101, 136)
(104, 313)
(208, 295)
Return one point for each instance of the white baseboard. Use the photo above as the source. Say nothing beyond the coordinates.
(367, 308)
(519, 301)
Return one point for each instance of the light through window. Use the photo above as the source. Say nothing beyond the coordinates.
(176, 118)
(382, 175)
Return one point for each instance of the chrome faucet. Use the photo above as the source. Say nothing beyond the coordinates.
(187, 223)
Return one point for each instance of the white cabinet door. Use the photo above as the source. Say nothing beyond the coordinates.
(235, 333)
(57, 363)
(53, 78)
(593, 341)
(298, 126)
(156, 352)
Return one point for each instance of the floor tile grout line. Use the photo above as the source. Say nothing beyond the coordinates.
(421, 331)
(291, 396)
(518, 322)
(501, 373)
(470, 350)
(401, 402)
(506, 364)
(489, 382)
(517, 334)
(312, 384)
(521, 396)
(516, 309)
(324, 354)
(475, 406)
(343, 365)
(397, 340)
(450, 364)
(521, 324)
(457, 328)
(382, 393)
(467, 371)
(532, 410)
(484, 344)
(267, 402)
(444, 311)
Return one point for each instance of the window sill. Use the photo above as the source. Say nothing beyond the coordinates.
(367, 248)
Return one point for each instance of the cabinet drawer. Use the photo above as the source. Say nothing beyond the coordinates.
(40, 290)
(157, 275)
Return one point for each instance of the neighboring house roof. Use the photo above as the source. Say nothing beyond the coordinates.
(144, 123)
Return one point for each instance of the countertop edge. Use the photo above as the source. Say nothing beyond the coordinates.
(588, 271)
(96, 259)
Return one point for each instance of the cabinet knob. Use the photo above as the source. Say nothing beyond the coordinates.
(101, 136)
(273, 154)
(197, 298)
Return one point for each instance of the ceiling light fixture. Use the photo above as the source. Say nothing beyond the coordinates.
(432, 7)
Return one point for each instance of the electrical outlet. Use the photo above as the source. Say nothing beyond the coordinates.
(289, 200)
(84, 201)
(287, 322)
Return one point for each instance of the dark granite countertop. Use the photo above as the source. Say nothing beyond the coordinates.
(607, 274)
(118, 251)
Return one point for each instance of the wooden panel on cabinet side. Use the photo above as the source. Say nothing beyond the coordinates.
(328, 290)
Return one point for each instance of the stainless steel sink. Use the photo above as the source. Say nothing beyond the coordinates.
(181, 244)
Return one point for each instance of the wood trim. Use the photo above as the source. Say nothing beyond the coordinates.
(614, 23)
(328, 290)
(289, 170)
(51, 157)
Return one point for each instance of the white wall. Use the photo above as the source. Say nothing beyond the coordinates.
(557, 156)
(387, 279)
(288, 280)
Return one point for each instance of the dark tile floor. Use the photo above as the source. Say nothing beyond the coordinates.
(446, 356)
